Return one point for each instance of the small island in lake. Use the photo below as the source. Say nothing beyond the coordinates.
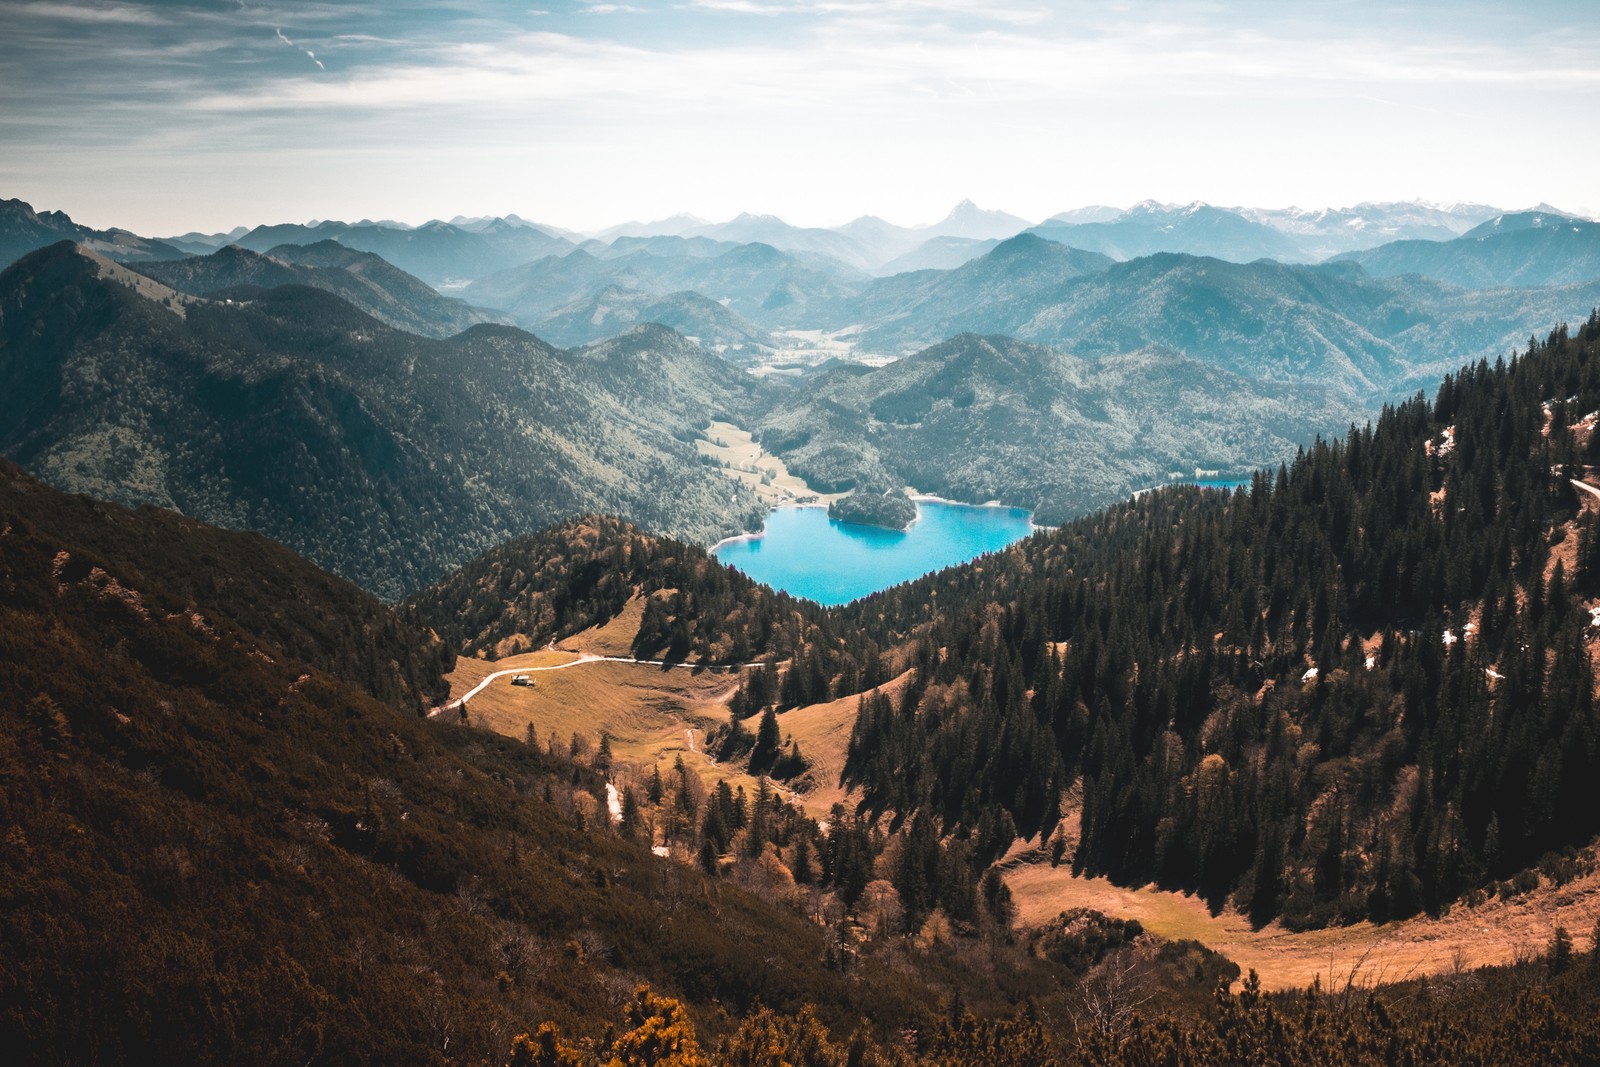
(875, 506)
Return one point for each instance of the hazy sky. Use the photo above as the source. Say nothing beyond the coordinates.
(165, 117)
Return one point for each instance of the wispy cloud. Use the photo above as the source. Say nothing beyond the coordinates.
(867, 66)
(880, 9)
(115, 14)
(806, 99)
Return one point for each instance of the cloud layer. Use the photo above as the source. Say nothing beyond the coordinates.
(584, 114)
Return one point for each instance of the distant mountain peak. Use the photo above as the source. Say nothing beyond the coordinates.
(1532, 219)
(1156, 207)
(967, 219)
(1088, 214)
(967, 211)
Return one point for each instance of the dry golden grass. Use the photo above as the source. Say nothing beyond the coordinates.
(653, 715)
(823, 734)
(615, 638)
(741, 458)
(152, 290)
(1492, 933)
(642, 707)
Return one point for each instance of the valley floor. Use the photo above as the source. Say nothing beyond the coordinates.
(739, 456)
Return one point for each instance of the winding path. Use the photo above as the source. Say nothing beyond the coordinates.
(585, 657)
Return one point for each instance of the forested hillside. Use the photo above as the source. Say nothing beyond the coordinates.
(384, 456)
(305, 613)
(1360, 688)
(991, 418)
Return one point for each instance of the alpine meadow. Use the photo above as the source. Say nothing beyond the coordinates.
(1148, 616)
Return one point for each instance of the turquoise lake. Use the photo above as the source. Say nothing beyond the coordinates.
(807, 554)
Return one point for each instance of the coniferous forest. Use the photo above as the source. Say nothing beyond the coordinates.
(1358, 688)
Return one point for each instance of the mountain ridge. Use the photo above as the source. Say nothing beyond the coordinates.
(274, 413)
(365, 279)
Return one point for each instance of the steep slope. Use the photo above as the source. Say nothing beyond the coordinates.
(366, 281)
(981, 418)
(385, 456)
(22, 230)
(299, 611)
(1525, 249)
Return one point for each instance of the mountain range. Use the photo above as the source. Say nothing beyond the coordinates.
(1329, 231)
(769, 287)
(437, 252)
(338, 386)
(1524, 249)
(467, 248)
(614, 310)
(368, 281)
(1197, 229)
(22, 230)
(1328, 323)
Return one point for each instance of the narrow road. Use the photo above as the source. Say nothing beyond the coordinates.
(1585, 486)
(583, 658)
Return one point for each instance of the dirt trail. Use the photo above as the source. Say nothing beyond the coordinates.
(582, 658)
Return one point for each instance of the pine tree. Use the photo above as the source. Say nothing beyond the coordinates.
(768, 741)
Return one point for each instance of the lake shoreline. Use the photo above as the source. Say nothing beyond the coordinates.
(916, 498)
(833, 562)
